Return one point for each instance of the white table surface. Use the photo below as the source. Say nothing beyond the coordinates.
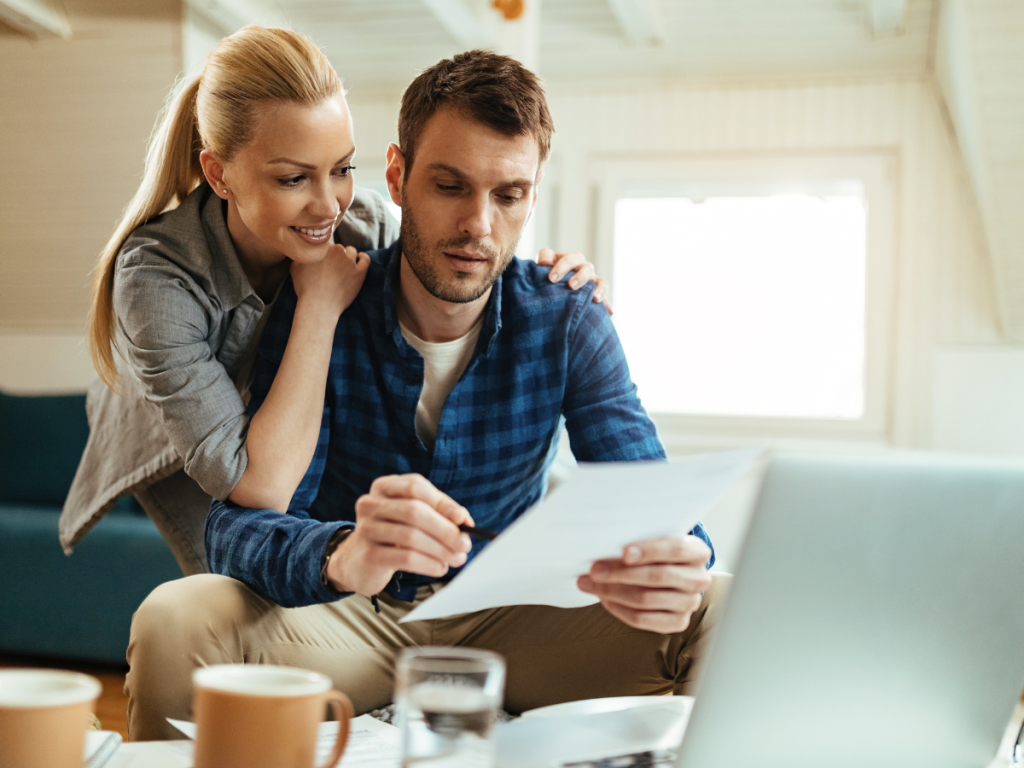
(176, 754)
(152, 754)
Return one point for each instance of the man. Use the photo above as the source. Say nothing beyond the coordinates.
(451, 377)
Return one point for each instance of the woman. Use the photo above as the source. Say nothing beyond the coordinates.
(248, 180)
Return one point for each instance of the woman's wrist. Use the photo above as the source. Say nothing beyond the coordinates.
(321, 305)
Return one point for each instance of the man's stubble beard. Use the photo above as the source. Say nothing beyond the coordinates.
(463, 289)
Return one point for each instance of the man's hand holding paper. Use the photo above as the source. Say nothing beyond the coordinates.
(656, 585)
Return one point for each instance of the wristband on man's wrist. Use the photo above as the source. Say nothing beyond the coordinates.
(332, 546)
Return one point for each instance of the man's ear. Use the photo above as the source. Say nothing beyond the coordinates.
(395, 173)
(213, 170)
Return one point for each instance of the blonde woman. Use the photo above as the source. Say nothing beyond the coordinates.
(248, 181)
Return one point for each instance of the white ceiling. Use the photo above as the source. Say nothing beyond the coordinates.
(379, 45)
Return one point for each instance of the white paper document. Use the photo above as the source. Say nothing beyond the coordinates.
(371, 743)
(100, 746)
(594, 514)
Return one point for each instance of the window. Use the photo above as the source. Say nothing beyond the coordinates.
(753, 294)
(764, 296)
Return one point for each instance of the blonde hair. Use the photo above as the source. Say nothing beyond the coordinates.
(215, 111)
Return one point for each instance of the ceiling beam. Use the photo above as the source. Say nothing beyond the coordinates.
(885, 17)
(38, 19)
(638, 20)
(229, 16)
(462, 22)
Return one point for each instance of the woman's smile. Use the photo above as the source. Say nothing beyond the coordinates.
(317, 236)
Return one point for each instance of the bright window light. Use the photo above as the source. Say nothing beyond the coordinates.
(744, 306)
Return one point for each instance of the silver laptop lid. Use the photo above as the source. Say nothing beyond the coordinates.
(876, 618)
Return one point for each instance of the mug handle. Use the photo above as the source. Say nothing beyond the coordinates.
(343, 712)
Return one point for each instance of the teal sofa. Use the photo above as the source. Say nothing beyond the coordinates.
(77, 607)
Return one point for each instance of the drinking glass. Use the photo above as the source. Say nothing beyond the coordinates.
(448, 701)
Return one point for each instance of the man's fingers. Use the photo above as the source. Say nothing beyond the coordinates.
(415, 486)
(406, 537)
(415, 514)
(546, 257)
(684, 578)
(688, 550)
(642, 598)
(397, 559)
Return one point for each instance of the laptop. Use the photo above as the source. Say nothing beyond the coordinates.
(876, 618)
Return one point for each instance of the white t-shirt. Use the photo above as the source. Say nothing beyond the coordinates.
(443, 366)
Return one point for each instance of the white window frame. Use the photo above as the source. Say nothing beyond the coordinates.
(875, 175)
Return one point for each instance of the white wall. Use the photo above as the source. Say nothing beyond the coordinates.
(75, 116)
(976, 403)
(44, 362)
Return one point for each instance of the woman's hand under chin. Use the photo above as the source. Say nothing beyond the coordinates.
(332, 282)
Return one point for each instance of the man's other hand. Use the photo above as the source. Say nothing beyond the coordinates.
(403, 524)
(656, 585)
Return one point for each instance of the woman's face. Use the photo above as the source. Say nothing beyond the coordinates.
(290, 186)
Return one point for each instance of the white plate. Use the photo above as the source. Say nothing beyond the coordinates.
(592, 730)
(610, 704)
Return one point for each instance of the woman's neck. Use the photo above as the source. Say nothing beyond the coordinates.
(266, 271)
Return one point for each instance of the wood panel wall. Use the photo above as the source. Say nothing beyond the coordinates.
(75, 116)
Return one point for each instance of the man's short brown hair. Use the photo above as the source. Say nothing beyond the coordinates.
(494, 90)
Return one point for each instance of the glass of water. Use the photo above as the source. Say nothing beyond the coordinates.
(448, 701)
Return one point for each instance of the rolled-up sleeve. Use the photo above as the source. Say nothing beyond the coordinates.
(279, 556)
(164, 334)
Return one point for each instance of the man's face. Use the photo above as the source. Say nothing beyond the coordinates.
(464, 201)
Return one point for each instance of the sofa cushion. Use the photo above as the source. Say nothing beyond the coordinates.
(79, 606)
(41, 440)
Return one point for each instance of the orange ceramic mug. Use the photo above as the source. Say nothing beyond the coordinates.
(44, 714)
(264, 716)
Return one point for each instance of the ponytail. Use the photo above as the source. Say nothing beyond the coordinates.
(172, 171)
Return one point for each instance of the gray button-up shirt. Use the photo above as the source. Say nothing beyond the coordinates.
(186, 317)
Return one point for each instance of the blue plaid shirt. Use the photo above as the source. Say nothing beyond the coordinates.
(545, 354)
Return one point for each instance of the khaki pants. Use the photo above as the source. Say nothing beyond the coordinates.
(553, 654)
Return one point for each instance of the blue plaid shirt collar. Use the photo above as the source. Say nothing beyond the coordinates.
(492, 313)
